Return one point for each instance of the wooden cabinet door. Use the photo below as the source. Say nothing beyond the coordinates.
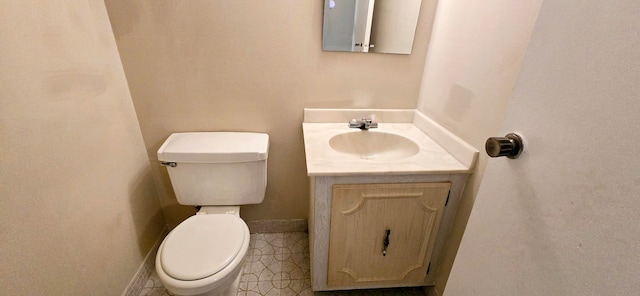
(361, 214)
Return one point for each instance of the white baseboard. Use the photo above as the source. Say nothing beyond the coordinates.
(145, 270)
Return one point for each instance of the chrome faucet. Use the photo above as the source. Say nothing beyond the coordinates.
(363, 124)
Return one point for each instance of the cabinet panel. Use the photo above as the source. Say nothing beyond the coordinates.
(361, 214)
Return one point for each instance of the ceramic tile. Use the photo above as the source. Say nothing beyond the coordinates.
(277, 264)
(266, 243)
(296, 242)
(281, 280)
(248, 277)
(298, 287)
(267, 288)
(296, 266)
(265, 268)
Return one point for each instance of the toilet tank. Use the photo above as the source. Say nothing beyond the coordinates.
(217, 168)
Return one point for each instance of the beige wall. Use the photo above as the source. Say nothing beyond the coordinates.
(250, 66)
(470, 72)
(78, 206)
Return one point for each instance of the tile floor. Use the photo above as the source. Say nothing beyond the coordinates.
(278, 264)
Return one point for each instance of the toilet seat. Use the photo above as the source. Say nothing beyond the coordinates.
(187, 251)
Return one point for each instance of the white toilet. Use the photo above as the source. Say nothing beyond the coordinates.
(218, 171)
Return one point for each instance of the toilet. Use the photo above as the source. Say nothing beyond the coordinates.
(218, 172)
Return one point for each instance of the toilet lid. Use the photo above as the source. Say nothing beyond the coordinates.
(202, 245)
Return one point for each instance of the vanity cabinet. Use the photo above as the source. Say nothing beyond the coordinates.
(348, 222)
(383, 234)
(357, 199)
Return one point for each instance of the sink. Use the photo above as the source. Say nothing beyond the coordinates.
(373, 145)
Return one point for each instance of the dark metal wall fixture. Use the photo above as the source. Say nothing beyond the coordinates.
(510, 146)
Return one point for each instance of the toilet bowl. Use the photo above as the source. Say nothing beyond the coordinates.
(217, 171)
(204, 255)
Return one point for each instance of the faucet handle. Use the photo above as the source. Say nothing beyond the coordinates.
(353, 123)
(372, 122)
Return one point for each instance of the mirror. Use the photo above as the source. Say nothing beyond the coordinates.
(381, 26)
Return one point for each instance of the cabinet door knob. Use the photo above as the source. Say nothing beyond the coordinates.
(386, 243)
(510, 146)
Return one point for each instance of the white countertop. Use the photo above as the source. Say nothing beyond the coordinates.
(322, 160)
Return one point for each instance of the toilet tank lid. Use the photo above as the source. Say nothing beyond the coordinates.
(214, 147)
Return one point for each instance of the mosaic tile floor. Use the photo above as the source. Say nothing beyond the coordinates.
(278, 264)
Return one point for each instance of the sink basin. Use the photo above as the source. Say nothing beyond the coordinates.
(373, 145)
